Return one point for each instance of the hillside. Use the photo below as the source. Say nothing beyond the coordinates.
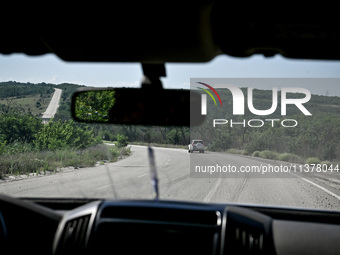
(34, 98)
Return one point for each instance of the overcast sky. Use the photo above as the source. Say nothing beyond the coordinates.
(50, 69)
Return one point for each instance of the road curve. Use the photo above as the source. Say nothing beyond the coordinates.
(53, 105)
(130, 178)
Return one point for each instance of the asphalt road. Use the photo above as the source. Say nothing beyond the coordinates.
(53, 105)
(130, 178)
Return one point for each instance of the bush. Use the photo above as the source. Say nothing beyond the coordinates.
(122, 141)
(2, 146)
(58, 135)
(313, 161)
(256, 154)
(269, 154)
(289, 157)
(22, 128)
(117, 153)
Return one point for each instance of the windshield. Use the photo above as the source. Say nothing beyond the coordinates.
(270, 136)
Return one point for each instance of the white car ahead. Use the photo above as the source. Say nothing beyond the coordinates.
(196, 145)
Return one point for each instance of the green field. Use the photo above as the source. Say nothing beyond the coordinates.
(33, 104)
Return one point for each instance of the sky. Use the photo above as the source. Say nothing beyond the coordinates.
(48, 68)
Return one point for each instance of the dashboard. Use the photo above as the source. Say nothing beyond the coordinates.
(59, 226)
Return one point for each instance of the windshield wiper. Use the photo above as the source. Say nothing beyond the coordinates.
(153, 173)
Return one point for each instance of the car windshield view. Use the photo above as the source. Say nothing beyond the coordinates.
(270, 134)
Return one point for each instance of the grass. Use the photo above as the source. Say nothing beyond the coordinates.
(41, 162)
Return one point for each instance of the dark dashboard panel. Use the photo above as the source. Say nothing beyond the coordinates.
(26, 227)
(153, 227)
(148, 238)
(166, 227)
(157, 228)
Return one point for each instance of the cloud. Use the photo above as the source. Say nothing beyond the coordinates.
(55, 80)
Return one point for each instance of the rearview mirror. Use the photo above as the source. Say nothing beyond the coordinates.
(132, 106)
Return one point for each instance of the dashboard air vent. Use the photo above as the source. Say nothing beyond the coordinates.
(73, 237)
(248, 232)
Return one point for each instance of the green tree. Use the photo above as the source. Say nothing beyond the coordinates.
(122, 141)
(58, 135)
(19, 128)
(174, 136)
(222, 142)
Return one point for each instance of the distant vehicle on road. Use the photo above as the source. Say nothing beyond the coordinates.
(196, 145)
